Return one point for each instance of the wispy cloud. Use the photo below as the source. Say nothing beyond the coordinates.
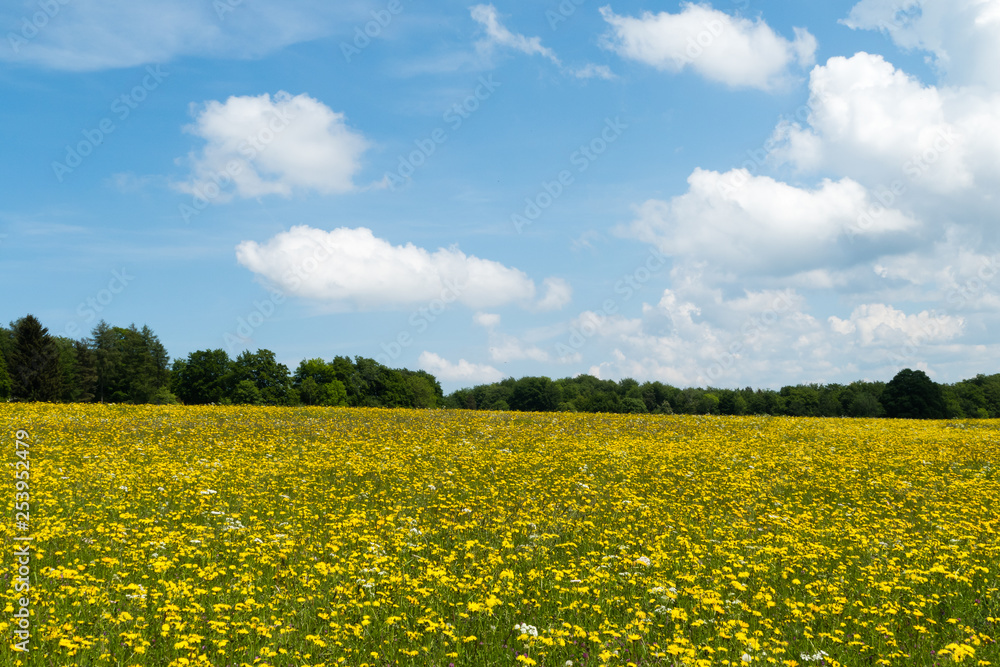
(498, 37)
(89, 35)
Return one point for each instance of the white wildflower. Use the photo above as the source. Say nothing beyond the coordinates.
(815, 657)
(526, 629)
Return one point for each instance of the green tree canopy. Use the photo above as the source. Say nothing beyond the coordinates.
(131, 364)
(270, 377)
(913, 395)
(424, 389)
(317, 384)
(246, 393)
(535, 394)
(202, 378)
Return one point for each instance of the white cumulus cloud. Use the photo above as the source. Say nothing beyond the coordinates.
(754, 224)
(261, 145)
(892, 215)
(353, 268)
(698, 336)
(463, 371)
(880, 125)
(558, 293)
(735, 51)
(695, 336)
(878, 323)
(504, 348)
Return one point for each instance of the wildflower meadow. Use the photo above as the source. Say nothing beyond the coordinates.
(176, 536)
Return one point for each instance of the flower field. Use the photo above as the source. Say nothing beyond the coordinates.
(278, 536)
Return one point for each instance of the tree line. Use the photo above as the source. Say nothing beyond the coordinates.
(911, 394)
(130, 365)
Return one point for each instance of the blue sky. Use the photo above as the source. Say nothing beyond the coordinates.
(731, 194)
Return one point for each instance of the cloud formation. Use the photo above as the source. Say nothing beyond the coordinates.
(259, 145)
(88, 35)
(898, 226)
(756, 225)
(697, 336)
(734, 51)
(464, 371)
(879, 124)
(558, 294)
(353, 269)
(497, 35)
(962, 35)
(878, 323)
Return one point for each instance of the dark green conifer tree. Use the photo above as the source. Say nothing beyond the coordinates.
(35, 370)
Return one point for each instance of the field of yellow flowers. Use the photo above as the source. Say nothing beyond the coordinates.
(277, 536)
